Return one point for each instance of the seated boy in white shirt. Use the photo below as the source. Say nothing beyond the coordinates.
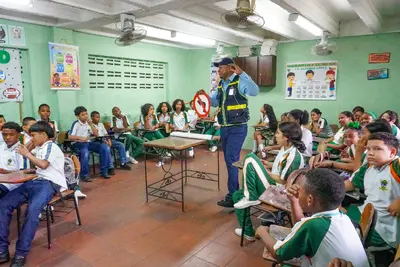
(10, 160)
(44, 113)
(2, 121)
(25, 138)
(49, 162)
(327, 234)
(120, 147)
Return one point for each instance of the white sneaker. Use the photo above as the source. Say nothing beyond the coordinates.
(79, 194)
(245, 203)
(159, 164)
(191, 152)
(169, 155)
(132, 160)
(238, 232)
(213, 149)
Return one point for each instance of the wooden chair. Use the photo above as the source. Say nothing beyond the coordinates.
(367, 222)
(56, 199)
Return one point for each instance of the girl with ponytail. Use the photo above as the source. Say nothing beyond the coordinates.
(302, 117)
(259, 174)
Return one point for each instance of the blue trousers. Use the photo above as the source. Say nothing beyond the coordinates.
(82, 149)
(37, 193)
(120, 147)
(232, 138)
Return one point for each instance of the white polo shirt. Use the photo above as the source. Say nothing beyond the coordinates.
(338, 137)
(10, 160)
(382, 187)
(55, 171)
(263, 118)
(163, 118)
(119, 123)
(192, 117)
(101, 129)
(179, 121)
(1, 138)
(322, 237)
(287, 161)
(79, 128)
(307, 140)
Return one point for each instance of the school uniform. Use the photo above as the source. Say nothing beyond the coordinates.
(132, 143)
(322, 237)
(256, 179)
(214, 130)
(114, 145)
(52, 123)
(179, 121)
(382, 187)
(37, 193)
(83, 129)
(325, 128)
(267, 133)
(153, 121)
(192, 118)
(163, 118)
(338, 139)
(307, 139)
(396, 131)
(10, 160)
(25, 139)
(1, 138)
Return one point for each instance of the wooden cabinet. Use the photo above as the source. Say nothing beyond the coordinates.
(261, 69)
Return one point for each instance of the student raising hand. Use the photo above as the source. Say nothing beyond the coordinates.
(339, 263)
(394, 208)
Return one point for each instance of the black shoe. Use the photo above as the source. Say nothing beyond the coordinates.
(18, 261)
(111, 171)
(86, 179)
(4, 257)
(226, 203)
(126, 167)
(106, 176)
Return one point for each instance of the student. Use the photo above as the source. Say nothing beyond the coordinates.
(215, 131)
(79, 133)
(367, 117)
(163, 110)
(179, 120)
(335, 144)
(25, 137)
(393, 119)
(320, 126)
(44, 114)
(301, 117)
(357, 113)
(2, 121)
(380, 180)
(257, 176)
(150, 122)
(284, 116)
(192, 116)
(10, 160)
(327, 234)
(121, 128)
(49, 162)
(269, 124)
(112, 143)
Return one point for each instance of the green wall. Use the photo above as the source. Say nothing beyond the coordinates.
(188, 71)
(353, 86)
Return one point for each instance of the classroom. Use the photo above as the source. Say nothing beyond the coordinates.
(199, 133)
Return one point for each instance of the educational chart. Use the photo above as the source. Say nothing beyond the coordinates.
(311, 80)
(10, 76)
(214, 78)
(64, 67)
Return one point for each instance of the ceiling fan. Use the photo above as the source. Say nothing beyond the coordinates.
(243, 17)
(129, 33)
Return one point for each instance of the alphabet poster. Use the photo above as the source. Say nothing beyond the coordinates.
(64, 67)
(10, 76)
(311, 80)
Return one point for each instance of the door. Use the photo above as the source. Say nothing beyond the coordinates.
(267, 71)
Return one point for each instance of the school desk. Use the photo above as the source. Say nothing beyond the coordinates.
(16, 177)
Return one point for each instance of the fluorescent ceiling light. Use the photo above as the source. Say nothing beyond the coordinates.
(178, 37)
(305, 24)
(17, 3)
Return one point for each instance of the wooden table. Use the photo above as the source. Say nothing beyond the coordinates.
(16, 177)
(159, 189)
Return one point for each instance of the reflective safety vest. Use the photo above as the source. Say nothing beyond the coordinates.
(233, 105)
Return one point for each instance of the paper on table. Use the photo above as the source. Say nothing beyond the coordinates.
(192, 135)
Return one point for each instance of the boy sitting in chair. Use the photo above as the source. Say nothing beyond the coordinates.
(49, 162)
(327, 234)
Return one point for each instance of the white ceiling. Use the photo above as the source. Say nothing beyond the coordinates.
(203, 17)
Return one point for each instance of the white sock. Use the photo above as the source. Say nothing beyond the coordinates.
(255, 146)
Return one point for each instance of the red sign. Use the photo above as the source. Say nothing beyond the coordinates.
(379, 58)
(11, 93)
(202, 105)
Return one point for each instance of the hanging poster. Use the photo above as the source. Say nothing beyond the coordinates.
(214, 78)
(64, 67)
(10, 76)
(3, 34)
(16, 35)
(311, 80)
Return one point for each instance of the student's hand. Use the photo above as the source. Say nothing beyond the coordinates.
(265, 162)
(83, 138)
(261, 230)
(30, 171)
(21, 149)
(362, 144)
(394, 208)
(344, 154)
(293, 192)
(324, 164)
(339, 263)
(267, 148)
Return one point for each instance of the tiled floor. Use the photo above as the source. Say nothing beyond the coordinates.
(119, 229)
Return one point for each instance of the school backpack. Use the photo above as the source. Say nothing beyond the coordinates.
(70, 174)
